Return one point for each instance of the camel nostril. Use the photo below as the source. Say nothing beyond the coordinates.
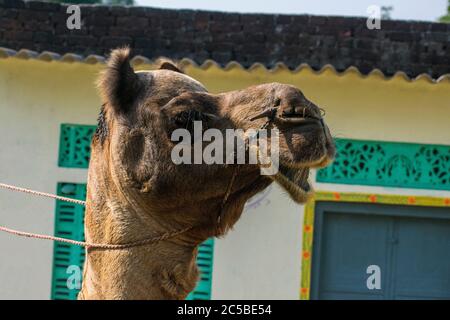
(300, 111)
(288, 111)
(297, 112)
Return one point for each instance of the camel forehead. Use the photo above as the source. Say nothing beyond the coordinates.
(172, 80)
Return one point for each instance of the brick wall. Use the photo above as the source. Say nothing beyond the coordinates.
(412, 47)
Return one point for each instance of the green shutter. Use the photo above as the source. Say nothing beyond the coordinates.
(390, 164)
(69, 223)
(75, 145)
(205, 263)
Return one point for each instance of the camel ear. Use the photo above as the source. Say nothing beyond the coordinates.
(169, 65)
(118, 84)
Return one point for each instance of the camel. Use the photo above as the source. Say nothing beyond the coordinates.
(135, 191)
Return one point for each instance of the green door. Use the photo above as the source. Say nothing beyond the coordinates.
(410, 245)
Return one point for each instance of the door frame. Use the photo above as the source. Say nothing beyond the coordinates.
(327, 196)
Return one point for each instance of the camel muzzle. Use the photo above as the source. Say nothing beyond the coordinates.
(289, 120)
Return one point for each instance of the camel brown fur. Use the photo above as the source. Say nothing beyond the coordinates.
(135, 191)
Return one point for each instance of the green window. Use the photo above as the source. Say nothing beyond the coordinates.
(390, 164)
(74, 152)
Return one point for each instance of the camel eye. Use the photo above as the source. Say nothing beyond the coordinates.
(185, 119)
(277, 103)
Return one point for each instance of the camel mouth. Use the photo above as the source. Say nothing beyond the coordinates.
(295, 182)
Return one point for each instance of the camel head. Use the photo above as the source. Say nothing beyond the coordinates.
(133, 145)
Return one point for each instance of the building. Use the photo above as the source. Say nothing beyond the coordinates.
(384, 202)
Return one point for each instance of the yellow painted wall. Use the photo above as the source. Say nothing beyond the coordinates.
(30, 83)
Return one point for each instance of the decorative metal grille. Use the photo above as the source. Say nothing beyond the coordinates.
(75, 145)
(390, 164)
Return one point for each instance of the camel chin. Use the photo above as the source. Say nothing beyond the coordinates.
(295, 182)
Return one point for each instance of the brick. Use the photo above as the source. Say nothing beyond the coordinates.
(401, 36)
(9, 23)
(111, 42)
(439, 27)
(80, 40)
(9, 13)
(44, 37)
(99, 10)
(17, 35)
(250, 19)
(201, 16)
(222, 57)
(42, 6)
(138, 23)
(99, 20)
(283, 19)
(13, 4)
(118, 11)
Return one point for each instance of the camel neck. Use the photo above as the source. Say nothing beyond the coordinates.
(163, 270)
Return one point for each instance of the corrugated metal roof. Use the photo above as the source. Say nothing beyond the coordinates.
(140, 60)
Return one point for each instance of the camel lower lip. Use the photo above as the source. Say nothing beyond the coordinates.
(291, 173)
(295, 182)
(295, 122)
